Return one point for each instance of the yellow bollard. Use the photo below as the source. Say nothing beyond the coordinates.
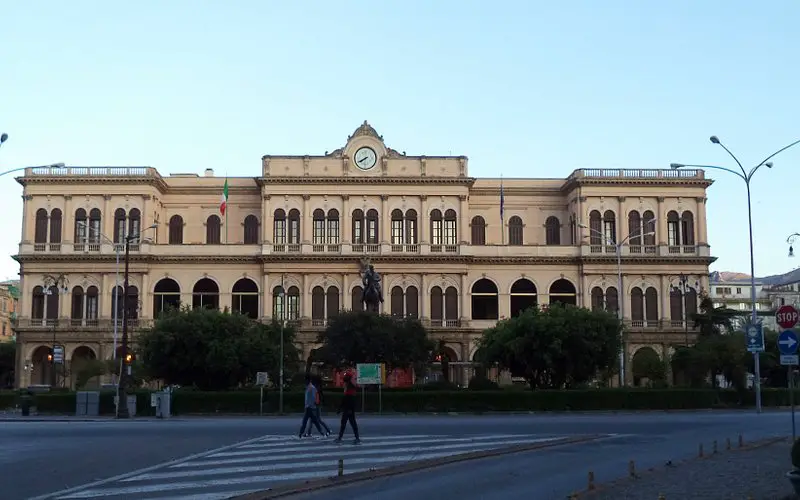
(341, 467)
(631, 469)
(715, 447)
(741, 441)
(700, 451)
(728, 444)
(590, 486)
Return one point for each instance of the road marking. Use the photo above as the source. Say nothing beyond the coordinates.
(243, 468)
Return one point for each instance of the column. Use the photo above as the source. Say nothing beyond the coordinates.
(267, 220)
(465, 303)
(344, 301)
(661, 223)
(68, 221)
(424, 224)
(145, 222)
(305, 293)
(106, 292)
(701, 230)
(385, 222)
(25, 199)
(107, 223)
(144, 295)
(424, 298)
(305, 222)
(664, 295)
(347, 220)
(464, 219)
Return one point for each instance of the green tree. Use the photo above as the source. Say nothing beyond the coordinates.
(710, 320)
(561, 346)
(365, 337)
(8, 355)
(213, 350)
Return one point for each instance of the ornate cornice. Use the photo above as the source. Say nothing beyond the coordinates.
(462, 181)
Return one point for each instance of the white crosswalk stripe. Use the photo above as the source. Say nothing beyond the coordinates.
(272, 460)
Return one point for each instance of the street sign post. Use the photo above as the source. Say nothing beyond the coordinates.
(262, 378)
(787, 345)
(755, 338)
(370, 374)
(58, 354)
(787, 317)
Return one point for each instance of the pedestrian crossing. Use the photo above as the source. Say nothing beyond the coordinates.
(273, 461)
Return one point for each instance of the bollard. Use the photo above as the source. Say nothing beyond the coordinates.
(714, 451)
(741, 441)
(631, 469)
(728, 444)
(700, 451)
(341, 467)
(590, 486)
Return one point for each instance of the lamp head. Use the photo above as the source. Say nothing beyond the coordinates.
(3, 137)
(676, 166)
(153, 226)
(791, 251)
(768, 164)
(58, 165)
(714, 139)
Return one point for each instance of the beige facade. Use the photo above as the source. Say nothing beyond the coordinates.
(434, 233)
(9, 293)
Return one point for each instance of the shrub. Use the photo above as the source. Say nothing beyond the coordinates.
(796, 454)
(482, 384)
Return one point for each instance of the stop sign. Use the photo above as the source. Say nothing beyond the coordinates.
(787, 317)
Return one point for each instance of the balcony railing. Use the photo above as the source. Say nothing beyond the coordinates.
(636, 173)
(84, 323)
(90, 172)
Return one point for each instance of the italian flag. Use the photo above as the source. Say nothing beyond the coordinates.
(224, 203)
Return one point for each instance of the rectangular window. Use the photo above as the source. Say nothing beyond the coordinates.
(449, 232)
(120, 230)
(91, 306)
(397, 232)
(94, 232)
(411, 232)
(610, 232)
(319, 231)
(280, 232)
(673, 237)
(294, 231)
(293, 303)
(372, 231)
(277, 308)
(333, 231)
(358, 231)
(436, 232)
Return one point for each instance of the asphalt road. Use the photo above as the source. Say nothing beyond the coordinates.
(38, 458)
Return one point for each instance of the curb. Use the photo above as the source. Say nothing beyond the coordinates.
(334, 481)
(599, 488)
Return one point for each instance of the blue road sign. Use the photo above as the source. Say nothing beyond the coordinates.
(787, 342)
(755, 338)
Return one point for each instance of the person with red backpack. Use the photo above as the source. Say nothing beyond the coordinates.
(348, 409)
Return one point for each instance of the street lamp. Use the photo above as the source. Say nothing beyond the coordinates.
(19, 169)
(3, 138)
(620, 293)
(747, 177)
(790, 241)
(122, 399)
(61, 284)
(282, 298)
(683, 287)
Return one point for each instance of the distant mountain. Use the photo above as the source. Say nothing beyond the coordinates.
(776, 279)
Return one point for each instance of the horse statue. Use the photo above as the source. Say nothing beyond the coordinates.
(372, 294)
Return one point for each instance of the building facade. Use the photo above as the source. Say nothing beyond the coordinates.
(9, 296)
(456, 251)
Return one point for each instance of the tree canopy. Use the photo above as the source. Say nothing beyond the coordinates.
(365, 337)
(559, 347)
(214, 350)
(8, 351)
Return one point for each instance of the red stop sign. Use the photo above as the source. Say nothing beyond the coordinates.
(787, 317)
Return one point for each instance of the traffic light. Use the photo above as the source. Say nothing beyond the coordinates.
(128, 358)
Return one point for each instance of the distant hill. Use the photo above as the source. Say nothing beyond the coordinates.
(776, 279)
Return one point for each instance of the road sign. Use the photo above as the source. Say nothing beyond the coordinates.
(369, 374)
(262, 378)
(58, 354)
(787, 342)
(755, 338)
(787, 316)
(790, 359)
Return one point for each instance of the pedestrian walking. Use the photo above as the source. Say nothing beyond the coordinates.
(310, 405)
(348, 409)
(317, 381)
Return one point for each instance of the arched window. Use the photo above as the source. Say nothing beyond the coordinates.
(135, 221)
(437, 306)
(436, 227)
(595, 230)
(563, 291)
(478, 230)
(55, 226)
(675, 307)
(552, 230)
(450, 225)
(412, 302)
(649, 231)
(94, 225)
(635, 231)
(92, 304)
(651, 306)
(451, 306)
(612, 300)
(245, 298)
(610, 227)
(120, 221)
(598, 299)
(77, 306)
(373, 235)
(294, 226)
(51, 305)
(81, 226)
(515, 231)
(319, 228)
(690, 303)
(37, 303)
(116, 303)
(286, 307)
(396, 301)
(358, 227)
(133, 302)
(166, 295)
(484, 300)
(411, 227)
(40, 228)
(331, 302)
(176, 230)
(637, 307)
(355, 299)
(279, 227)
(673, 229)
(687, 228)
(317, 306)
(251, 230)
(205, 294)
(333, 227)
(523, 296)
(397, 228)
(213, 230)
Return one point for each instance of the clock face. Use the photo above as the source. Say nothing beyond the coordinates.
(365, 158)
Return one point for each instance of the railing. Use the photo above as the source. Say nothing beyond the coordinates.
(87, 323)
(636, 173)
(89, 172)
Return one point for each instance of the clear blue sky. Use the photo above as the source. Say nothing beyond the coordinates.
(528, 88)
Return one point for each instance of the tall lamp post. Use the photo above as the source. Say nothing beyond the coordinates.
(683, 287)
(61, 283)
(282, 298)
(620, 292)
(122, 396)
(790, 242)
(747, 177)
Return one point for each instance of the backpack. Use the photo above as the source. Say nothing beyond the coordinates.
(318, 397)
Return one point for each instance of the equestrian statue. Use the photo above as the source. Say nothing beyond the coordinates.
(372, 295)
